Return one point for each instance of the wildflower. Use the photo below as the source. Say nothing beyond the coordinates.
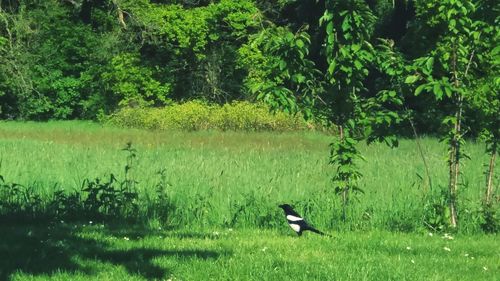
(408, 248)
(466, 255)
(447, 236)
(126, 238)
(485, 268)
(446, 249)
(430, 234)
(413, 261)
(90, 222)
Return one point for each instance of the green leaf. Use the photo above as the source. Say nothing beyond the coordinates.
(299, 78)
(355, 47)
(282, 65)
(358, 64)
(329, 28)
(447, 91)
(411, 79)
(299, 43)
(331, 67)
(429, 63)
(438, 92)
(420, 89)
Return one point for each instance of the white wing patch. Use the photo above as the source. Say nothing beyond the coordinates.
(293, 218)
(295, 227)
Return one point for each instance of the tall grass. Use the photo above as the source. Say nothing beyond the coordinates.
(238, 179)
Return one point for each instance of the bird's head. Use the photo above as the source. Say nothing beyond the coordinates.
(284, 206)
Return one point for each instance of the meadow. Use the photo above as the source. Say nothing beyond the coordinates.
(237, 179)
(223, 223)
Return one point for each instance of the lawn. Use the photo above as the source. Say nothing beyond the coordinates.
(224, 188)
(76, 252)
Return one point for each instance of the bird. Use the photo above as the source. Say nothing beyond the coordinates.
(296, 222)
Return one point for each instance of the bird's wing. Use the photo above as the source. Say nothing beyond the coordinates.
(292, 218)
(292, 212)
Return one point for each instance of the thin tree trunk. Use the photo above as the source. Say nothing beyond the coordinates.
(491, 169)
(345, 199)
(345, 192)
(454, 161)
(455, 167)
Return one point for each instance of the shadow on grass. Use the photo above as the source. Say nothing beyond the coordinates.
(140, 233)
(44, 250)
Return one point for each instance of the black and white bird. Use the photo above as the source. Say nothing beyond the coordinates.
(296, 222)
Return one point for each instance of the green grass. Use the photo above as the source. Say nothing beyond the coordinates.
(225, 188)
(76, 252)
(236, 178)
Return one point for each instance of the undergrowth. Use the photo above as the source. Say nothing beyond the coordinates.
(197, 115)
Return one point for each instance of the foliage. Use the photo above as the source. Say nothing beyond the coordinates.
(279, 72)
(350, 56)
(97, 200)
(449, 71)
(198, 46)
(196, 115)
(132, 84)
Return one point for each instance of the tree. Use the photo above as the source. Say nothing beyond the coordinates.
(448, 71)
(350, 56)
(279, 72)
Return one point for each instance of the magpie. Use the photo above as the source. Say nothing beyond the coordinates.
(296, 222)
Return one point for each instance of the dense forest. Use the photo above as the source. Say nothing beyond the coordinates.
(75, 59)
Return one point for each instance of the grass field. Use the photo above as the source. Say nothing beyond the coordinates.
(237, 179)
(225, 224)
(70, 252)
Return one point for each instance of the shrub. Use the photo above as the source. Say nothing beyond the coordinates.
(197, 115)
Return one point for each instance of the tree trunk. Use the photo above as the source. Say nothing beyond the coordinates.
(345, 192)
(454, 160)
(491, 170)
(455, 165)
(345, 200)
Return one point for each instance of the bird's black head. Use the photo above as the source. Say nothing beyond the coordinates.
(285, 206)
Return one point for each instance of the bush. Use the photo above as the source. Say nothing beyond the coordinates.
(197, 115)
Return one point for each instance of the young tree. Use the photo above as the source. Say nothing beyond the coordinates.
(358, 116)
(486, 102)
(449, 71)
(284, 77)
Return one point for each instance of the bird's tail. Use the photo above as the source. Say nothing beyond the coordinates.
(318, 232)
